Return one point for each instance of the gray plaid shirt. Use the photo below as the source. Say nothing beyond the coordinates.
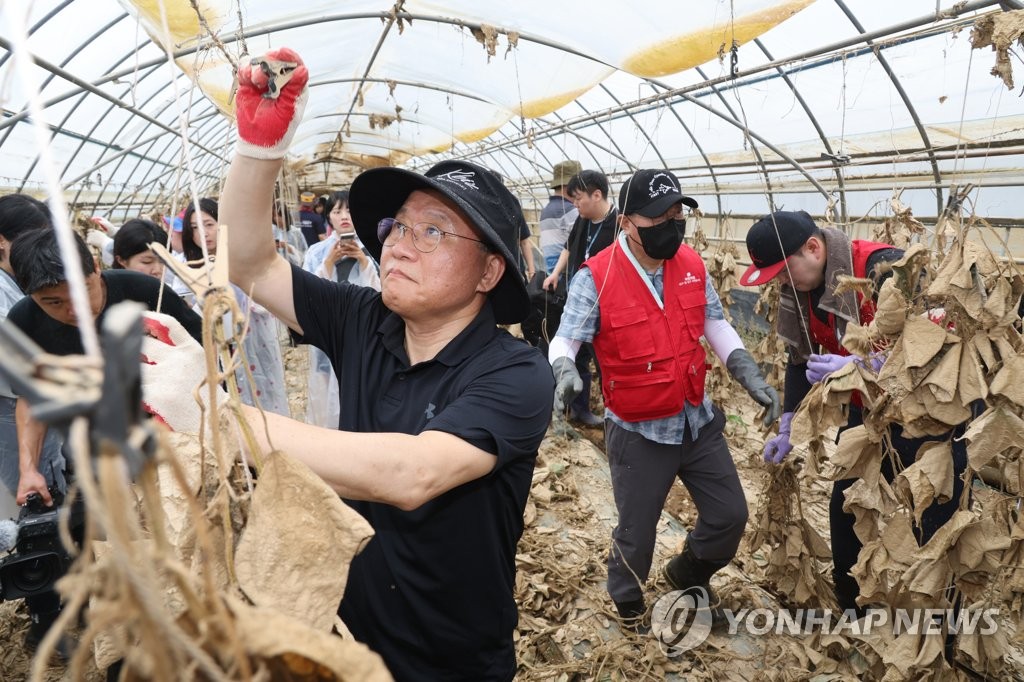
(581, 320)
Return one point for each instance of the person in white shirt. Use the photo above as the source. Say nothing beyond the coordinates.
(341, 257)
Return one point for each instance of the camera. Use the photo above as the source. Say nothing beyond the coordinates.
(38, 558)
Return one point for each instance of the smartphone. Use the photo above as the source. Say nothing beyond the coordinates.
(344, 237)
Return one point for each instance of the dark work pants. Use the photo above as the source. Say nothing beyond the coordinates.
(642, 472)
(845, 543)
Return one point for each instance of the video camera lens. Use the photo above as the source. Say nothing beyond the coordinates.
(36, 575)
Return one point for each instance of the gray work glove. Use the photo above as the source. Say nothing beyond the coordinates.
(568, 384)
(744, 369)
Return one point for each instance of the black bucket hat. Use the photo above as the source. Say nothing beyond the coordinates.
(480, 194)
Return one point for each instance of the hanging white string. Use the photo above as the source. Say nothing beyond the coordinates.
(69, 255)
(183, 127)
(804, 321)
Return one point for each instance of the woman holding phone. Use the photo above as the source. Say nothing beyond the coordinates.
(342, 258)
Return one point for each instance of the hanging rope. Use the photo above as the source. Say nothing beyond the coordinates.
(23, 60)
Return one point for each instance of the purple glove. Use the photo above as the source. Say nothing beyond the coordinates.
(820, 366)
(776, 449)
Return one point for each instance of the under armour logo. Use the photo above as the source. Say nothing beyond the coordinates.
(429, 412)
(461, 177)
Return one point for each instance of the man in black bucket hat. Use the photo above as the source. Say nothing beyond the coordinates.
(442, 412)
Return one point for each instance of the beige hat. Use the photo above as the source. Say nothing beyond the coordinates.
(307, 198)
(563, 171)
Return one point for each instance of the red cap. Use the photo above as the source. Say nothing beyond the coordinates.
(755, 275)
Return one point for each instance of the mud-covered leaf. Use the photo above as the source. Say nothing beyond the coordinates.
(857, 456)
(943, 379)
(992, 433)
(291, 650)
(891, 312)
(1009, 381)
(922, 340)
(928, 479)
(971, 378)
(300, 539)
(868, 503)
(980, 546)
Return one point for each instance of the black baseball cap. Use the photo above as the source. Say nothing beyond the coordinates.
(772, 240)
(650, 193)
(488, 205)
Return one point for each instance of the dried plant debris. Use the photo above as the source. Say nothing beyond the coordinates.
(948, 328)
(1000, 30)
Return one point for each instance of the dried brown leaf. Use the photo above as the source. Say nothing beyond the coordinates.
(300, 539)
(922, 340)
(928, 479)
(891, 312)
(980, 546)
(1009, 381)
(972, 384)
(990, 434)
(868, 503)
(857, 456)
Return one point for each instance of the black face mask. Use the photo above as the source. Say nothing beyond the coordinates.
(661, 241)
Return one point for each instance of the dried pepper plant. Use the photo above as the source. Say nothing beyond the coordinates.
(199, 575)
(948, 323)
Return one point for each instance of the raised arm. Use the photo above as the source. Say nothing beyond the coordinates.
(265, 129)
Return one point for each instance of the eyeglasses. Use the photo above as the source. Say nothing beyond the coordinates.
(425, 237)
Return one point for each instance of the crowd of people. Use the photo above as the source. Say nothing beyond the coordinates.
(425, 413)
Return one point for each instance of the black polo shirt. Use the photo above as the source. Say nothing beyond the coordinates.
(58, 338)
(432, 592)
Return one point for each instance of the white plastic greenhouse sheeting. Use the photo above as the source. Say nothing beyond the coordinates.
(422, 88)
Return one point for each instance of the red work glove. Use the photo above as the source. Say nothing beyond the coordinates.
(267, 124)
(102, 223)
(173, 367)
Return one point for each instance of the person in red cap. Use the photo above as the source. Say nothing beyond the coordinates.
(645, 302)
(807, 260)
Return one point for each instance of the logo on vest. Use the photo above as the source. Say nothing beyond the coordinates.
(689, 279)
(429, 412)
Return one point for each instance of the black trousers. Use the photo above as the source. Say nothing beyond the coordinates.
(845, 544)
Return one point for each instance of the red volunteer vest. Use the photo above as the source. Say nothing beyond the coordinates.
(826, 334)
(652, 362)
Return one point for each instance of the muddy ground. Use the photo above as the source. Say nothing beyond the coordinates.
(567, 627)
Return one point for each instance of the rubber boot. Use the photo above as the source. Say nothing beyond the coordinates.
(633, 616)
(686, 571)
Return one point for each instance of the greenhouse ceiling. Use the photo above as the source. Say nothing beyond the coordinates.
(827, 105)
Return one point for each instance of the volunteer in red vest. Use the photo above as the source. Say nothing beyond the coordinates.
(807, 261)
(645, 302)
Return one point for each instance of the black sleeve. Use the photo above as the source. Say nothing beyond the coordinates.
(324, 309)
(175, 306)
(797, 386)
(133, 286)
